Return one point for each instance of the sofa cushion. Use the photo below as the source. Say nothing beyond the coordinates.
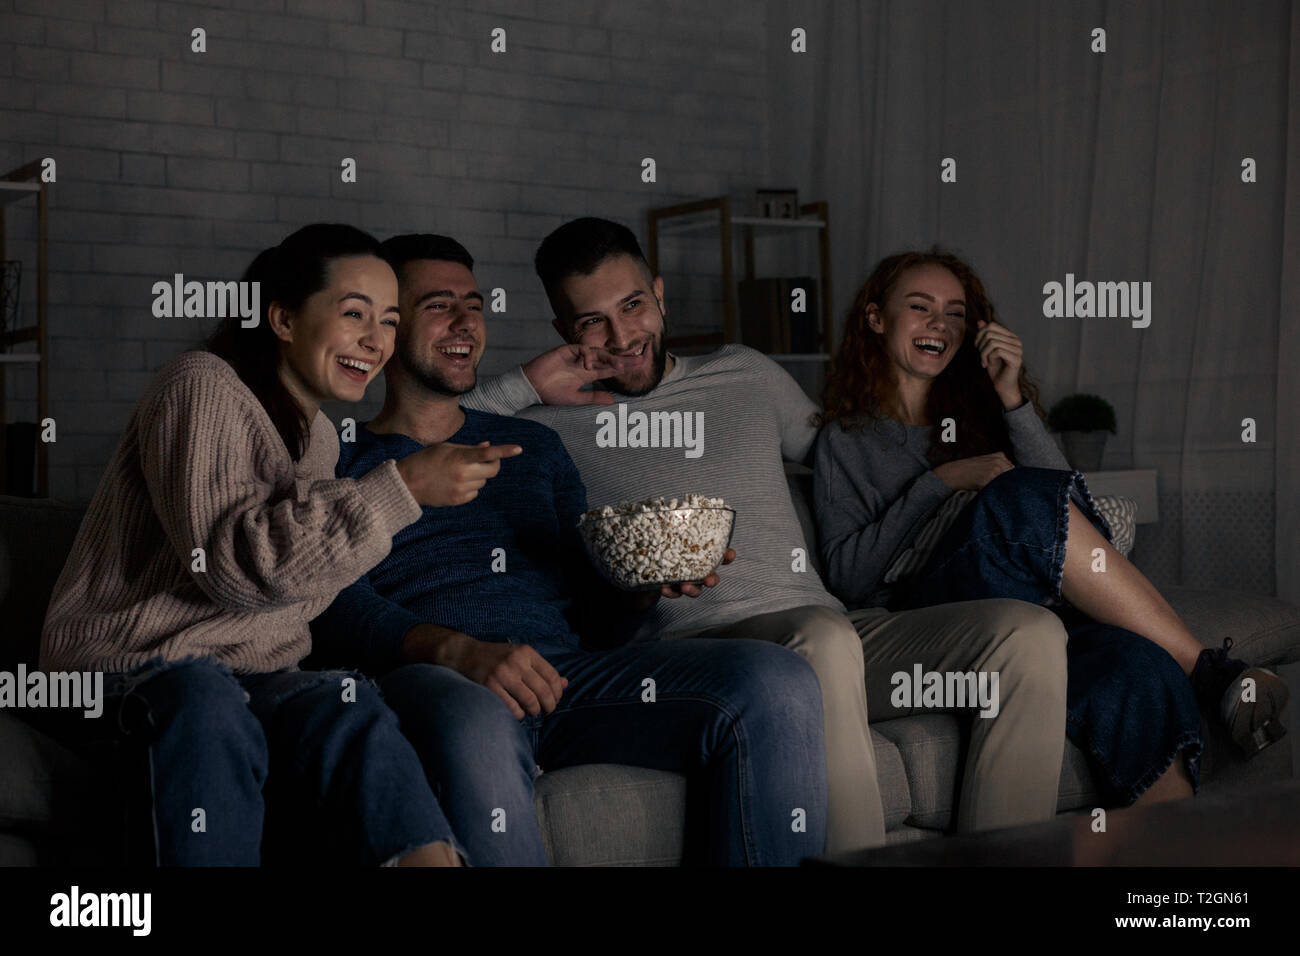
(611, 815)
(1121, 514)
(42, 781)
(38, 535)
(932, 748)
(798, 479)
(1076, 788)
(1263, 629)
(909, 834)
(606, 814)
(892, 776)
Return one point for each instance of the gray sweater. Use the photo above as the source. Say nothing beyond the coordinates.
(754, 415)
(874, 489)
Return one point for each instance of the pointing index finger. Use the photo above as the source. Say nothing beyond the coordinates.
(496, 452)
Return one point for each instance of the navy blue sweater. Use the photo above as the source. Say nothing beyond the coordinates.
(440, 569)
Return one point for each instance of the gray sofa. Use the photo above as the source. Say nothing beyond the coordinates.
(55, 806)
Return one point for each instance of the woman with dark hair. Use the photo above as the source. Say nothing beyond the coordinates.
(217, 532)
(928, 396)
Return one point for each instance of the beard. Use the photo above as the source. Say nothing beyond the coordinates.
(658, 361)
(429, 375)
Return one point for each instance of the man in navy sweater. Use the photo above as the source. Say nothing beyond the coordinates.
(471, 621)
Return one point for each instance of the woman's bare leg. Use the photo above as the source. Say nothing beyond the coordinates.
(1174, 784)
(1121, 595)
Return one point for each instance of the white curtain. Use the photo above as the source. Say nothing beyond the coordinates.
(1117, 166)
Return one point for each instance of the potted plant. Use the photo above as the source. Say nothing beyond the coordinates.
(1082, 421)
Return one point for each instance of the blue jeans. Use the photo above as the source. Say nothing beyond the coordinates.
(1129, 706)
(332, 777)
(742, 719)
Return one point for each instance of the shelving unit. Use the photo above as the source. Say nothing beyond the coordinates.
(716, 213)
(15, 186)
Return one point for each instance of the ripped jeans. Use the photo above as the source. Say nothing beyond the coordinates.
(1129, 706)
(323, 763)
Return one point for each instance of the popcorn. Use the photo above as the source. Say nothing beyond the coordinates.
(639, 545)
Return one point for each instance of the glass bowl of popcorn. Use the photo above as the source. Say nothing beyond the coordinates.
(643, 545)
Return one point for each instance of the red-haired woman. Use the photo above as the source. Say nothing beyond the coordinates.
(922, 344)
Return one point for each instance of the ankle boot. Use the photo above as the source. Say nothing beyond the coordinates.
(1220, 683)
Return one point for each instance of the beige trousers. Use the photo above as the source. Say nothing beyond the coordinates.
(1013, 764)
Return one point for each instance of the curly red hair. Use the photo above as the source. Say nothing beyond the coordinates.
(860, 389)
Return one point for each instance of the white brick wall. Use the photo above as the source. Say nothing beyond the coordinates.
(174, 161)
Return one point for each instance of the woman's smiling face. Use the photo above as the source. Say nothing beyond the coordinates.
(923, 321)
(342, 335)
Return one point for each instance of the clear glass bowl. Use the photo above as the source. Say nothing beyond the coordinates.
(645, 550)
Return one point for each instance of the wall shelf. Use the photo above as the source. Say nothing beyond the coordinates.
(715, 213)
(18, 184)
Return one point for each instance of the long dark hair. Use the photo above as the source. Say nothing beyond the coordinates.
(860, 387)
(289, 274)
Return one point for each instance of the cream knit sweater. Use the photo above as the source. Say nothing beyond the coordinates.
(201, 466)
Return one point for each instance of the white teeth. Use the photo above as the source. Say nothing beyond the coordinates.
(356, 364)
(454, 349)
(935, 346)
